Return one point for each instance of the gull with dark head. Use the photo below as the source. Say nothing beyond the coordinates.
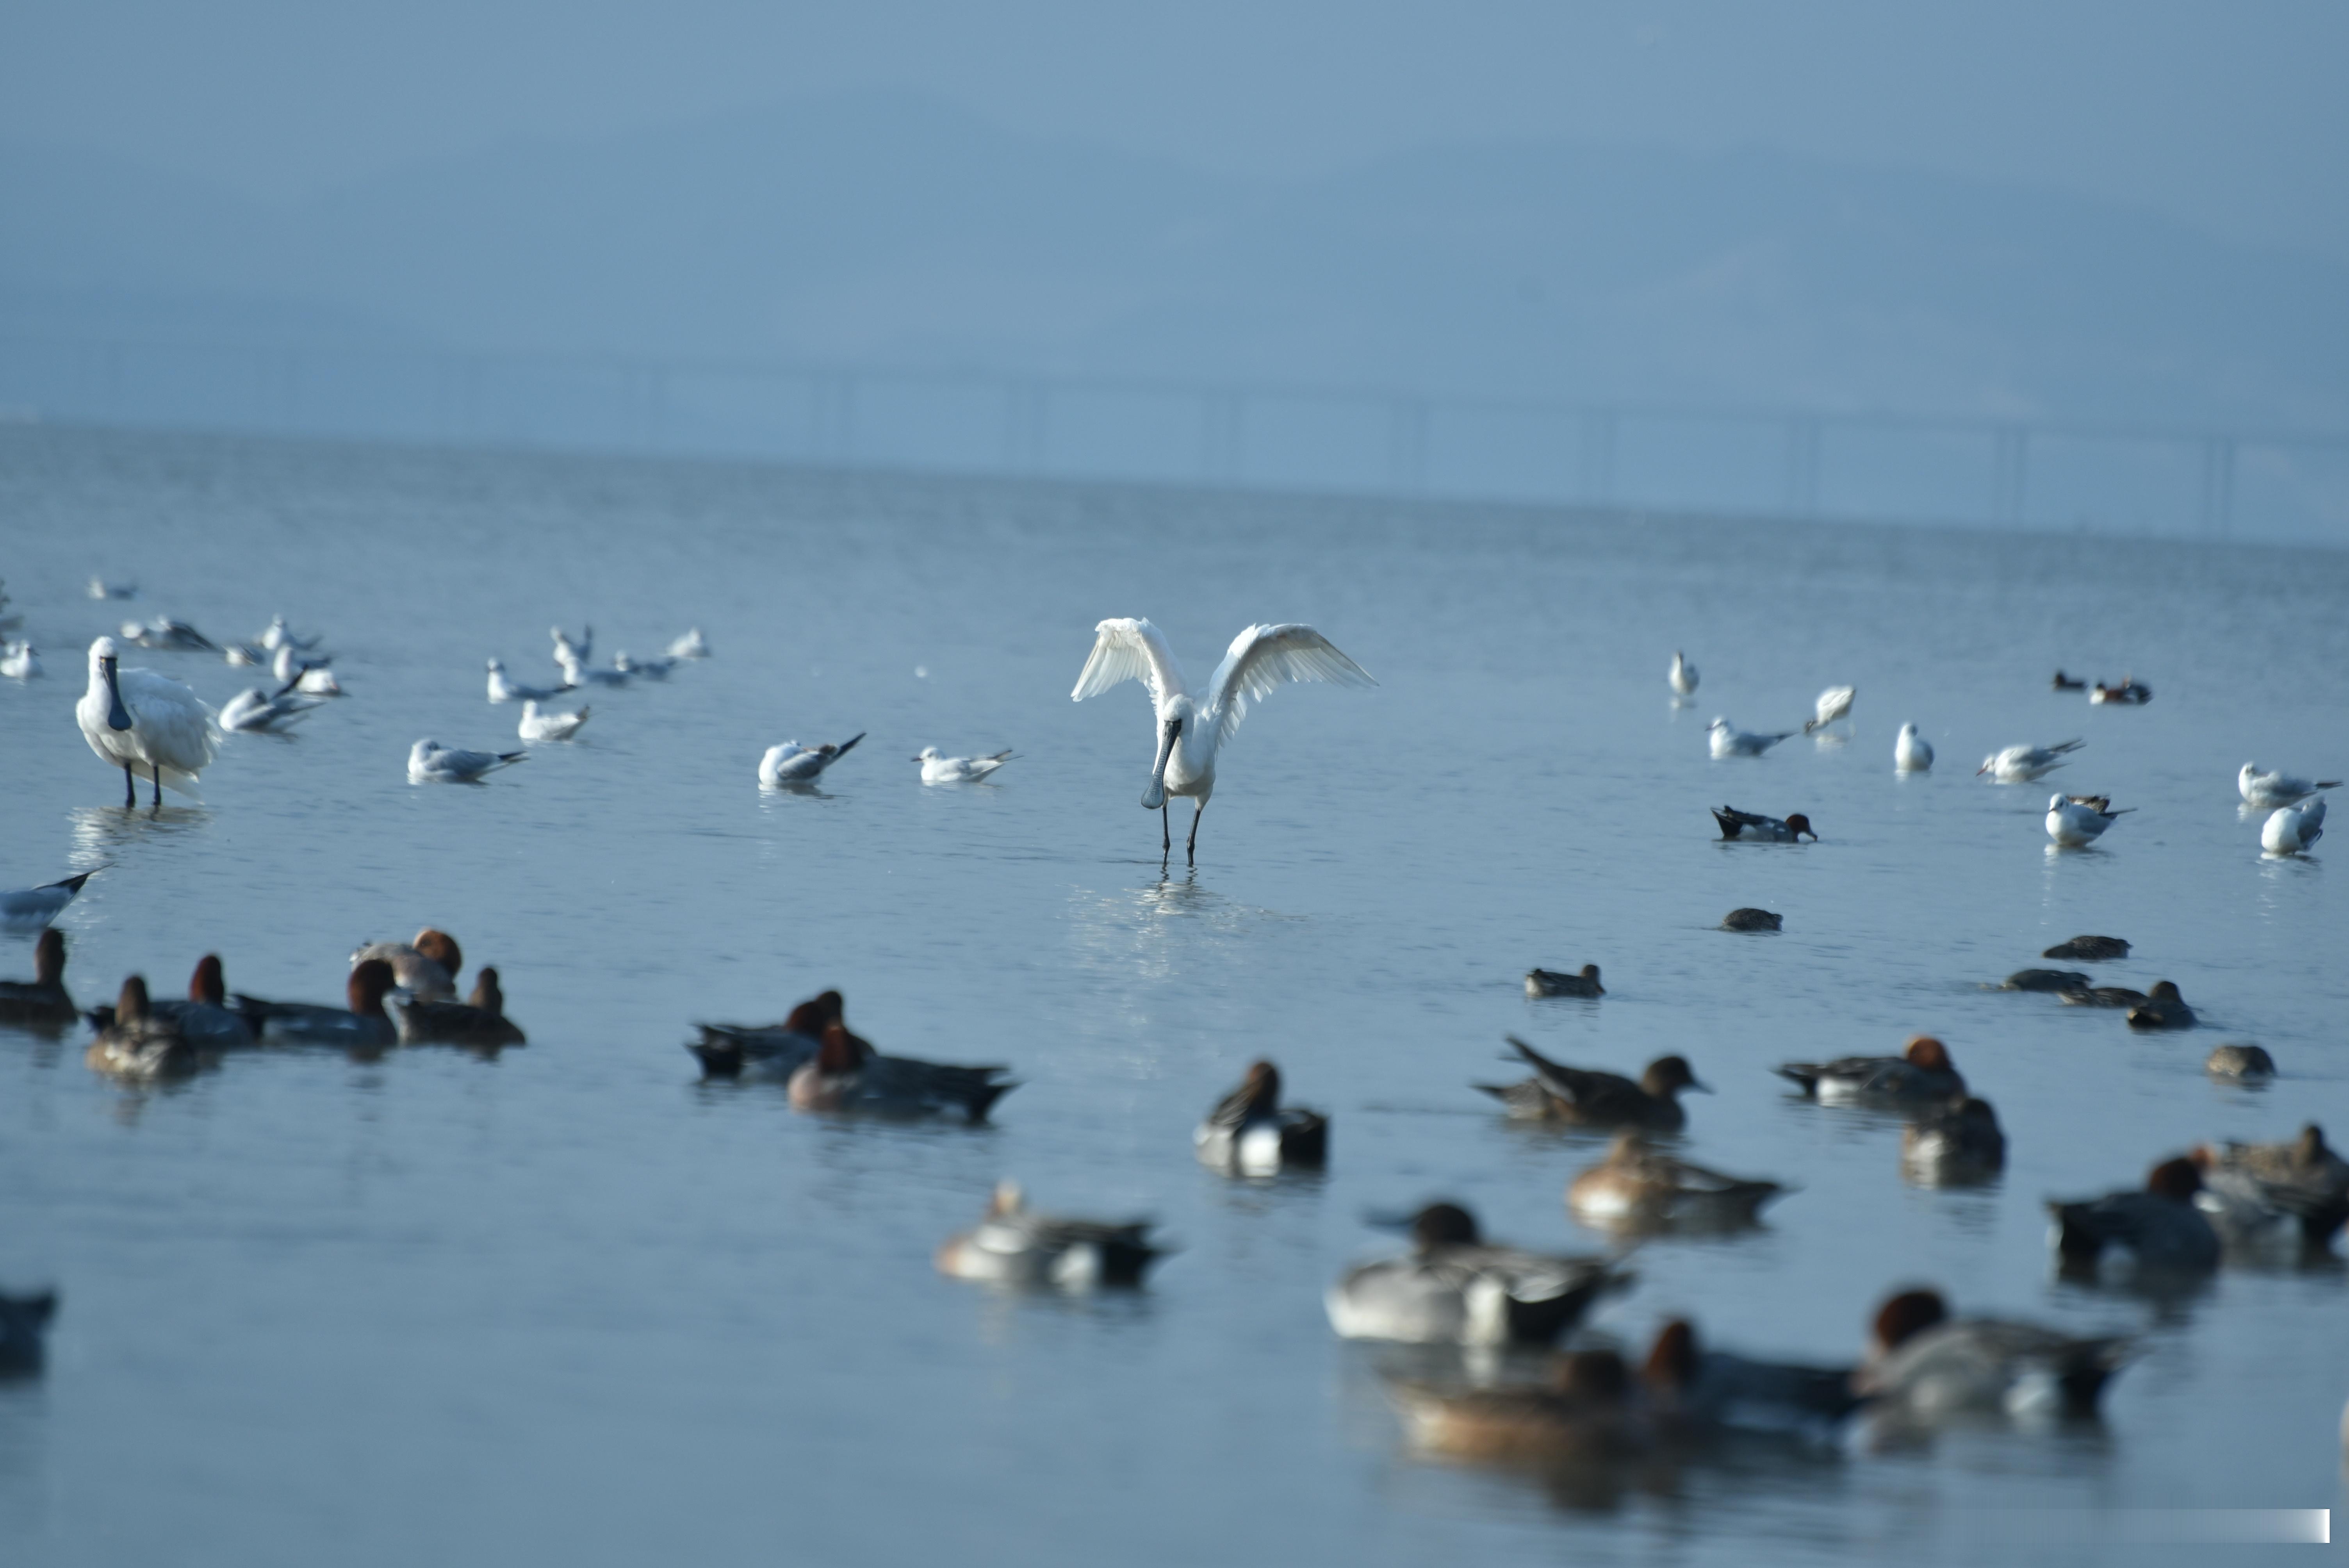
(1192, 728)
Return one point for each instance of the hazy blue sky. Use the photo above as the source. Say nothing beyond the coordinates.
(2232, 116)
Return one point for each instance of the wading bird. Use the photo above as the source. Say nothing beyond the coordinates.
(138, 719)
(1193, 729)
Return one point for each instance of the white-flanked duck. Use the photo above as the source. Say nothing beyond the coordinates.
(42, 1001)
(1638, 1188)
(1922, 1072)
(136, 1044)
(427, 966)
(2089, 949)
(1958, 1144)
(938, 770)
(2129, 692)
(1911, 752)
(792, 763)
(254, 711)
(1586, 1098)
(142, 722)
(429, 762)
(32, 908)
(1015, 1245)
(846, 1075)
(2294, 830)
(1727, 740)
(2157, 1229)
(480, 1022)
(729, 1050)
(1682, 675)
(536, 726)
(362, 1025)
(1748, 827)
(502, 688)
(2163, 1008)
(2272, 791)
(1699, 1390)
(1924, 1365)
(1540, 983)
(1250, 1133)
(2076, 823)
(2022, 764)
(23, 1325)
(1834, 703)
(1455, 1288)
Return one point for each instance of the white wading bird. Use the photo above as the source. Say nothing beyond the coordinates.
(1191, 730)
(2268, 791)
(429, 762)
(2022, 764)
(2075, 823)
(137, 718)
(2293, 828)
(1682, 675)
(536, 726)
(1912, 753)
(938, 770)
(1834, 703)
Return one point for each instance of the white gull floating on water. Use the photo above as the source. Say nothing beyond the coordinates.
(2293, 828)
(254, 711)
(2076, 824)
(1912, 753)
(19, 661)
(1834, 703)
(2269, 790)
(137, 719)
(503, 688)
(690, 646)
(536, 726)
(1728, 740)
(1192, 729)
(792, 763)
(1682, 675)
(938, 770)
(32, 908)
(429, 762)
(2022, 764)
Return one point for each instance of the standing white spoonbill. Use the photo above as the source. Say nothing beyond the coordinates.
(1682, 675)
(1912, 753)
(2075, 824)
(2269, 790)
(1728, 740)
(2022, 764)
(138, 719)
(2293, 827)
(429, 762)
(792, 763)
(938, 770)
(1193, 729)
(1834, 703)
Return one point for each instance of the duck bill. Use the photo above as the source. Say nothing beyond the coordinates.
(1156, 796)
(1699, 1088)
(117, 716)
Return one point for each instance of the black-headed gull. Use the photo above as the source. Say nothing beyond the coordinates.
(1753, 828)
(170, 636)
(1728, 740)
(938, 770)
(503, 688)
(651, 669)
(2076, 823)
(2293, 828)
(792, 763)
(1192, 728)
(138, 719)
(2266, 791)
(255, 712)
(536, 726)
(567, 652)
(2022, 764)
(308, 676)
(1682, 675)
(1834, 703)
(690, 646)
(31, 908)
(276, 637)
(429, 762)
(19, 661)
(1912, 753)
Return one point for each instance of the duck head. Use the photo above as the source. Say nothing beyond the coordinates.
(1667, 1076)
(207, 984)
(1904, 1316)
(838, 1053)
(1671, 1360)
(1799, 824)
(2308, 1149)
(1591, 972)
(486, 995)
(442, 948)
(369, 984)
(49, 961)
(2164, 991)
(131, 1005)
(1263, 1085)
(1442, 1225)
(1925, 1052)
(2175, 1180)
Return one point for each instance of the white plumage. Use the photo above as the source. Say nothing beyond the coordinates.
(2292, 829)
(690, 646)
(19, 661)
(938, 770)
(536, 726)
(792, 763)
(1912, 753)
(2267, 792)
(503, 689)
(429, 762)
(1834, 703)
(1682, 675)
(1728, 740)
(142, 722)
(2075, 824)
(254, 711)
(2022, 764)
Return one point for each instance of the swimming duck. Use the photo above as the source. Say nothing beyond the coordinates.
(1015, 1245)
(1540, 983)
(2022, 764)
(205, 1019)
(135, 1044)
(1911, 752)
(1749, 828)
(1922, 1072)
(1638, 1188)
(2239, 1061)
(727, 1050)
(1587, 1413)
(2089, 949)
(846, 1076)
(2158, 1228)
(1249, 1133)
(1727, 740)
(2130, 693)
(2272, 791)
(2298, 1189)
(363, 1025)
(2077, 821)
(2065, 683)
(1589, 1098)
(1751, 920)
(1455, 1288)
(1697, 1390)
(427, 967)
(1958, 1143)
(481, 1021)
(2163, 1008)
(2294, 830)
(2044, 980)
(2100, 996)
(1834, 703)
(23, 1322)
(42, 1001)
(1924, 1365)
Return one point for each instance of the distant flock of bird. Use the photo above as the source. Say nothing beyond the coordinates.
(1453, 1286)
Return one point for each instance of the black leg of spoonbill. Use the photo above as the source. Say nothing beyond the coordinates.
(158, 786)
(129, 788)
(1191, 844)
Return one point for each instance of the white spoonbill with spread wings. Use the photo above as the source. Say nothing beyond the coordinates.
(1192, 728)
(137, 718)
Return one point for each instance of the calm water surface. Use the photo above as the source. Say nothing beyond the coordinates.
(574, 1305)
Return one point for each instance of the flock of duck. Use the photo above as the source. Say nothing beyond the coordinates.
(1452, 1286)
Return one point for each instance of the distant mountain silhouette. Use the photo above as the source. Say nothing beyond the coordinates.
(893, 230)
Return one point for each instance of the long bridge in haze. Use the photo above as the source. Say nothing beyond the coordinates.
(1787, 463)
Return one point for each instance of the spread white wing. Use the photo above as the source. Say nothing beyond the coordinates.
(1262, 659)
(1129, 650)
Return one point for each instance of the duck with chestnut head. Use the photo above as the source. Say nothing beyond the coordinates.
(479, 1023)
(41, 1003)
(360, 1025)
(2154, 1231)
(136, 1044)
(1921, 1072)
(1924, 1365)
(847, 1075)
